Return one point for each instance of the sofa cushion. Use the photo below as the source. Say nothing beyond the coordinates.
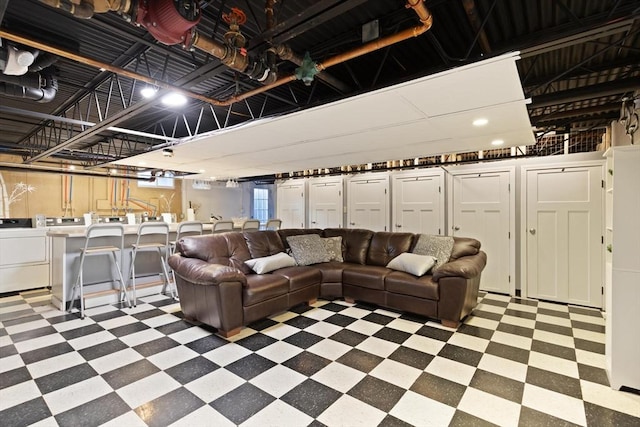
(308, 249)
(439, 247)
(331, 271)
(300, 276)
(464, 246)
(355, 243)
(365, 276)
(263, 243)
(414, 264)
(261, 287)
(286, 232)
(334, 248)
(228, 249)
(269, 263)
(399, 282)
(386, 245)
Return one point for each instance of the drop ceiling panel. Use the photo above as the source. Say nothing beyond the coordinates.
(420, 118)
(469, 87)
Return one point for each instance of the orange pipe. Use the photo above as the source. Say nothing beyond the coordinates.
(220, 51)
(417, 5)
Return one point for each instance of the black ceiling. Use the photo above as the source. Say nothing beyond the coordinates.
(579, 60)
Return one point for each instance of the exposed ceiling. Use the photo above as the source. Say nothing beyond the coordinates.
(579, 59)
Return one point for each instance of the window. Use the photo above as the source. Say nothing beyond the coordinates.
(261, 204)
(163, 181)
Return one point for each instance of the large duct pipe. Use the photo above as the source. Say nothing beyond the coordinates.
(39, 87)
(84, 9)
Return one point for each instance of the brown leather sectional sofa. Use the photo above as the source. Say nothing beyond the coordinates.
(217, 288)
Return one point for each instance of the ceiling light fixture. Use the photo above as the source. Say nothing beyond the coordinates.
(174, 99)
(148, 91)
(480, 122)
(497, 142)
(167, 152)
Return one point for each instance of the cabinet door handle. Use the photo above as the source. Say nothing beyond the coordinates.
(532, 231)
(399, 225)
(456, 228)
(352, 223)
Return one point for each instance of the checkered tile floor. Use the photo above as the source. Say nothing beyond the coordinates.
(513, 362)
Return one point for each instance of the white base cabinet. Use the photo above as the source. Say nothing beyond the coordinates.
(24, 259)
(623, 267)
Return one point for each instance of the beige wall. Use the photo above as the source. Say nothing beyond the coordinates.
(88, 194)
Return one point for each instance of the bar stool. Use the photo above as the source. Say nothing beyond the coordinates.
(186, 228)
(273, 224)
(152, 237)
(222, 226)
(251, 224)
(97, 236)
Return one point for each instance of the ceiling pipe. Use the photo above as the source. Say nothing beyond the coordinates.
(175, 28)
(39, 87)
(104, 66)
(418, 6)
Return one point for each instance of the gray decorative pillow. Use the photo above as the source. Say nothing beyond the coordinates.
(334, 248)
(414, 264)
(308, 249)
(439, 247)
(269, 263)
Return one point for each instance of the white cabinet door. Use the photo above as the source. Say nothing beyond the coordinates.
(564, 234)
(418, 202)
(290, 203)
(481, 209)
(368, 202)
(325, 203)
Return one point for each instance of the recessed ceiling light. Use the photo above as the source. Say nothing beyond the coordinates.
(174, 99)
(72, 167)
(480, 122)
(497, 142)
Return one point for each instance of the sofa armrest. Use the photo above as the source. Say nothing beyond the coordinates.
(466, 266)
(200, 272)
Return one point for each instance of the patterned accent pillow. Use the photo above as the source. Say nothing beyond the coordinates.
(439, 247)
(308, 249)
(269, 263)
(415, 264)
(334, 248)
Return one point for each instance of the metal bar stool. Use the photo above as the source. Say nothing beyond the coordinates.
(251, 224)
(222, 226)
(97, 236)
(152, 237)
(185, 228)
(273, 224)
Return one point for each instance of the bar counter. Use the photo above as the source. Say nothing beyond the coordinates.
(99, 276)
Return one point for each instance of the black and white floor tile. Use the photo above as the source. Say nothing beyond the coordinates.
(513, 362)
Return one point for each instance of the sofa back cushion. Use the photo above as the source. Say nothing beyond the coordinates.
(464, 246)
(263, 243)
(228, 249)
(386, 245)
(355, 243)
